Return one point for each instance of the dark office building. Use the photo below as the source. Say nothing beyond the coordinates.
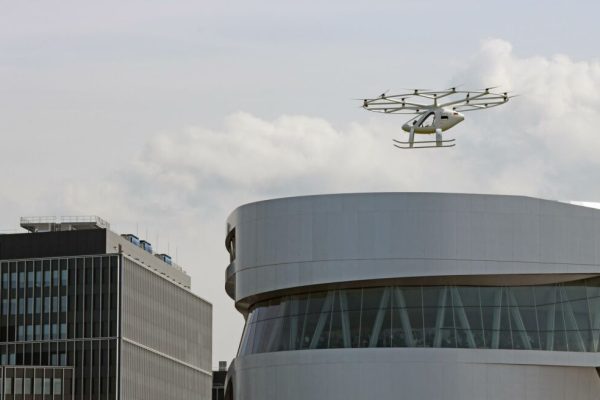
(218, 385)
(90, 314)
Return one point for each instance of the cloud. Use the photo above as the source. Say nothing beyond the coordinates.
(557, 110)
(543, 143)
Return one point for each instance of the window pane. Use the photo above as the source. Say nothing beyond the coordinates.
(31, 279)
(27, 386)
(47, 386)
(551, 317)
(18, 388)
(57, 386)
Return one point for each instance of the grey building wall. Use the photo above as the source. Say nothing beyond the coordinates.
(302, 241)
(163, 321)
(147, 375)
(427, 374)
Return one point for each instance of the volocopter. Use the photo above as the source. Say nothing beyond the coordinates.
(437, 111)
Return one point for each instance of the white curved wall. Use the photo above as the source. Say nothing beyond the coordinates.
(424, 374)
(303, 241)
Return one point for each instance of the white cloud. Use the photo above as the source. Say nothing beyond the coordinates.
(557, 111)
(543, 143)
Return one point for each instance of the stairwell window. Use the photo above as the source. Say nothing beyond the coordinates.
(230, 244)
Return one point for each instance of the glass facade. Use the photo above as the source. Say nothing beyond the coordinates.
(60, 313)
(36, 383)
(557, 317)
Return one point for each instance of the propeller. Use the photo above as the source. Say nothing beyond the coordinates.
(487, 89)
(453, 88)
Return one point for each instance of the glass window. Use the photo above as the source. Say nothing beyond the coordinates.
(64, 277)
(55, 300)
(54, 331)
(37, 385)
(30, 305)
(550, 317)
(57, 386)
(47, 386)
(21, 306)
(47, 278)
(12, 358)
(38, 304)
(5, 306)
(29, 332)
(13, 279)
(55, 278)
(38, 278)
(13, 306)
(18, 388)
(5, 280)
(46, 331)
(22, 279)
(27, 386)
(7, 385)
(30, 279)
(63, 331)
(47, 304)
(64, 304)
(21, 332)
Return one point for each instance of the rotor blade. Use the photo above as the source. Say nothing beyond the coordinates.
(397, 111)
(396, 103)
(475, 98)
(475, 107)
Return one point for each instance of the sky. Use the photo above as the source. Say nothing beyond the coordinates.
(163, 117)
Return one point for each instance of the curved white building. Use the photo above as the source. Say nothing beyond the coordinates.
(415, 296)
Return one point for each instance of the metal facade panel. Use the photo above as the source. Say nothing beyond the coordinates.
(313, 240)
(446, 374)
(148, 376)
(165, 317)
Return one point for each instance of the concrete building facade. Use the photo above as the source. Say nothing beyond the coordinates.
(87, 314)
(417, 296)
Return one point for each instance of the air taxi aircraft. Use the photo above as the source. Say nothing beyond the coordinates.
(442, 113)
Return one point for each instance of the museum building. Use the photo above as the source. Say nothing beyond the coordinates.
(416, 296)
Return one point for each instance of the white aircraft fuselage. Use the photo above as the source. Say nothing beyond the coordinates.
(435, 118)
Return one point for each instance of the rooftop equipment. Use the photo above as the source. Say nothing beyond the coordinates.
(147, 246)
(132, 238)
(222, 365)
(165, 257)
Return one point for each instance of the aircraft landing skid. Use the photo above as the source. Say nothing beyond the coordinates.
(425, 144)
